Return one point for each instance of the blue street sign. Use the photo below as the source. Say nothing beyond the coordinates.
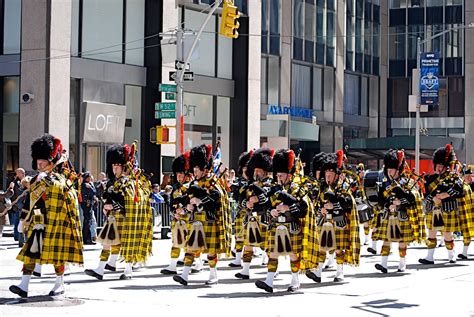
(429, 78)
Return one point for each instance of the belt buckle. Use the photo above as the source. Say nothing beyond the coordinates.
(281, 219)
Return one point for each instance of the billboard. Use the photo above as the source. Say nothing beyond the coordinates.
(429, 78)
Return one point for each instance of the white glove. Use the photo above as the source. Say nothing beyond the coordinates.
(42, 175)
(20, 226)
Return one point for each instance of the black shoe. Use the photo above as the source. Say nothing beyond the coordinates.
(193, 271)
(180, 263)
(338, 279)
(242, 276)
(264, 286)
(425, 261)
(16, 290)
(381, 268)
(372, 251)
(313, 276)
(125, 277)
(452, 261)
(36, 274)
(110, 268)
(462, 257)
(292, 289)
(94, 274)
(214, 282)
(231, 264)
(53, 293)
(233, 253)
(168, 272)
(20, 245)
(89, 243)
(180, 280)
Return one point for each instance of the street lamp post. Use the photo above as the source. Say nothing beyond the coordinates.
(418, 104)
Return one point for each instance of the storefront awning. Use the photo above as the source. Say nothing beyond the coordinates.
(375, 148)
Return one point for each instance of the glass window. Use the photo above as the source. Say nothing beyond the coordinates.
(397, 42)
(364, 96)
(456, 97)
(398, 91)
(135, 31)
(436, 44)
(414, 32)
(376, 40)
(331, 26)
(301, 86)
(273, 79)
(298, 18)
(224, 57)
(358, 36)
(453, 42)
(264, 27)
(206, 51)
(317, 89)
(12, 27)
(11, 94)
(452, 2)
(96, 34)
(416, 3)
(133, 102)
(360, 9)
(74, 106)
(434, 3)
(395, 4)
(367, 37)
(328, 88)
(263, 80)
(349, 34)
(351, 94)
(320, 25)
(309, 18)
(275, 9)
(198, 113)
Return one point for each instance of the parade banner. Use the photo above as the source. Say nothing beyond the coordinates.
(429, 78)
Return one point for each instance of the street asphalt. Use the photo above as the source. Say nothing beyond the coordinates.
(433, 290)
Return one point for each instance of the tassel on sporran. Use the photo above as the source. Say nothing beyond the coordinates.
(179, 234)
(437, 222)
(327, 240)
(197, 237)
(109, 234)
(282, 241)
(394, 233)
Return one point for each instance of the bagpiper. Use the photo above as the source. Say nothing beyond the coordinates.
(338, 223)
(209, 224)
(285, 232)
(467, 234)
(238, 190)
(447, 202)
(254, 207)
(402, 214)
(50, 216)
(179, 222)
(128, 229)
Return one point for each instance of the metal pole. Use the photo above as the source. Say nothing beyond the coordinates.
(418, 105)
(179, 81)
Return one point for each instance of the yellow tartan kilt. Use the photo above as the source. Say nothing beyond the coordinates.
(239, 226)
(211, 230)
(451, 221)
(296, 239)
(343, 237)
(405, 229)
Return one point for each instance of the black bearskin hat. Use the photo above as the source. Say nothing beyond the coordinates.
(201, 156)
(244, 159)
(117, 154)
(444, 155)
(261, 158)
(181, 163)
(318, 161)
(333, 161)
(46, 147)
(284, 161)
(393, 159)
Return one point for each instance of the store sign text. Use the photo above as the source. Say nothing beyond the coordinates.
(293, 111)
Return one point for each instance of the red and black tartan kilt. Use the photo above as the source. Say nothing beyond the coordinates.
(296, 239)
(451, 221)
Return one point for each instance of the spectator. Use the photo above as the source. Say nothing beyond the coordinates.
(155, 195)
(18, 200)
(4, 203)
(167, 194)
(101, 185)
(88, 193)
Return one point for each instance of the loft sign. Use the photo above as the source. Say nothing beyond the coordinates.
(293, 111)
(104, 123)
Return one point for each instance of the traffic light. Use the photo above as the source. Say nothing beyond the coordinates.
(229, 23)
(160, 135)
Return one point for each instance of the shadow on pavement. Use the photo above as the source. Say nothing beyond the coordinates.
(260, 294)
(176, 286)
(375, 306)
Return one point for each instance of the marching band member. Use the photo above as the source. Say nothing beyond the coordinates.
(338, 223)
(50, 216)
(254, 211)
(446, 202)
(402, 214)
(468, 234)
(285, 232)
(209, 219)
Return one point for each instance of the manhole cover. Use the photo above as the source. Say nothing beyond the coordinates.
(43, 301)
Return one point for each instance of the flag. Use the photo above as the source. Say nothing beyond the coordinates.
(217, 159)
